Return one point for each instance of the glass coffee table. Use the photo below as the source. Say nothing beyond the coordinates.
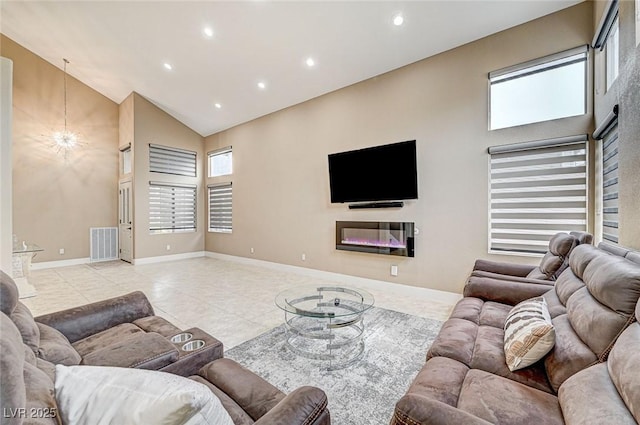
(325, 322)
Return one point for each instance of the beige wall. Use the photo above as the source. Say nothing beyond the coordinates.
(56, 201)
(6, 114)
(152, 125)
(625, 92)
(280, 183)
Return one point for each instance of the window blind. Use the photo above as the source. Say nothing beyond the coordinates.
(537, 189)
(220, 208)
(163, 159)
(610, 184)
(172, 207)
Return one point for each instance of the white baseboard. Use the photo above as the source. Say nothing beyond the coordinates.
(60, 263)
(433, 294)
(163, 258)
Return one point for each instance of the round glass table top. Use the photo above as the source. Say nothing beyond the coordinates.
(324, 301)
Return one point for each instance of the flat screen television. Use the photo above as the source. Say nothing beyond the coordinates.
(380, 173)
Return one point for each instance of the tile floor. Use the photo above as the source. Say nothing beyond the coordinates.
(232, 301)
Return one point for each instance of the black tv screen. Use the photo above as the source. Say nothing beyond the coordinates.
(380, 173)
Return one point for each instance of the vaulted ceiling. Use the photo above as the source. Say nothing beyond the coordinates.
(203, 61)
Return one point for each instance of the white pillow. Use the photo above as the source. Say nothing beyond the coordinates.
(96, 395)
(528, 333)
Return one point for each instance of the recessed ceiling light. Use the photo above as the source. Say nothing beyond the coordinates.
(168, 66)
(262, 85)
(398, 20)
(217, 105)
(208, 32)
(310, 62)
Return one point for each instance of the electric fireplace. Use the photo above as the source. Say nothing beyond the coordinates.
(378, 237)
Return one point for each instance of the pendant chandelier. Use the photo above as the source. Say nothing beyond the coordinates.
(65, 140)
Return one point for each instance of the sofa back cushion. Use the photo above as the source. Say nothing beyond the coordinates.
(600, 292)
(23, 319)
(12, 389)
(560, 245)
(8, 294)
(623, 364)
(23, 385)
(56, 348)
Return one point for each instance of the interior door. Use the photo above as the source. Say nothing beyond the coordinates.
(125, 225)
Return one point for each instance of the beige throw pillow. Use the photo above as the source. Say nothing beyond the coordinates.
(528, 333)
(97, 395)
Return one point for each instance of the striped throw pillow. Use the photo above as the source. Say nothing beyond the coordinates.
(528, 333)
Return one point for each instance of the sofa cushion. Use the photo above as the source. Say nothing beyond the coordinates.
(474, 336)
(614, 282)
(106, 337)
(472, 396)
(141, 350)
(22, 384)
(560, 245)
(569, 354)
(503, 401)
(41, 406)
(528, 334)
(25, 323)
(623, 359)
(93, 394)
(8, 293)
(12, 388)
(55, 347)
(590, 398)
(157, 324)
(600, 292)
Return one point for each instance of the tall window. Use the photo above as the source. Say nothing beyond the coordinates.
(607, 39)
(220, 162)
(607, 133)
(221, 208)
(537, 189)
(126, 160)
(612, 52)
(163, 159)
(540, 90)
(172, 207)
(610, 183)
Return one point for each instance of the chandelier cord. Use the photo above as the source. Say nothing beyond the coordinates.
(65, 93)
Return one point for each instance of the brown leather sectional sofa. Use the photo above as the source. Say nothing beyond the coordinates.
(589, 377)
(124, 332)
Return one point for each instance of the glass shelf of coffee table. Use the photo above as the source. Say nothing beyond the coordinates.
(325, 322)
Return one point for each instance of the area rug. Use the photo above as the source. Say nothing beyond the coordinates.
(363, 393)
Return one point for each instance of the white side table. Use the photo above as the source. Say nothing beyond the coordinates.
(22, 256)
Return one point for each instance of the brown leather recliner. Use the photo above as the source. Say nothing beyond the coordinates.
(121, 331)
(30, 350)
(501, 280)
(587, 378)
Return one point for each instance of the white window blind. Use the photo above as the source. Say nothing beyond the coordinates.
(610, 182)
(163, 159)
(544, 89)
(220, 208)
(537, 189)
(172, 207)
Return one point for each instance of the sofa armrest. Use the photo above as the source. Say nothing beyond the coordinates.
(415, 409)
(305, 405)
(510, 269)
(512, 278)
(505, 291)
(142, 350)
(252, 393)
(80, 322)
